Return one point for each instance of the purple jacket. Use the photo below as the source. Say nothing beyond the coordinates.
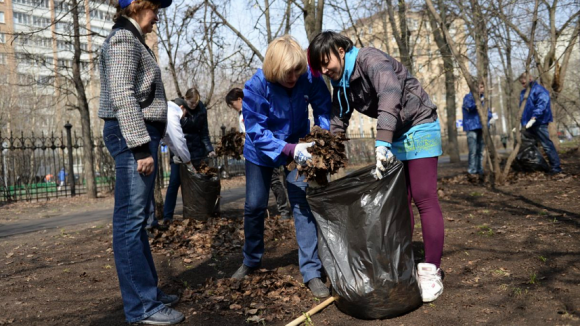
(381, 87)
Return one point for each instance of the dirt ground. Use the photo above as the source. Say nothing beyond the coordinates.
(512, 257)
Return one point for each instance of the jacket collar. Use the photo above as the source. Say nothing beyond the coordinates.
(124, 23)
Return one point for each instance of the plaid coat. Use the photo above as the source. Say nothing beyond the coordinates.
(131, 87)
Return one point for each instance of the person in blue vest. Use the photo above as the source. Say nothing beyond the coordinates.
(61, 178)
(472, 127)
(275, 109)
(536, 117)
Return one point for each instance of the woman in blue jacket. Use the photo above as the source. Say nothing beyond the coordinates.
(275, 109)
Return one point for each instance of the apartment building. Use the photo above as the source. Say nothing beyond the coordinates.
(36, 52)
(375, 31)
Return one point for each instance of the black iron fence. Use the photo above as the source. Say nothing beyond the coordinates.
(43, 166)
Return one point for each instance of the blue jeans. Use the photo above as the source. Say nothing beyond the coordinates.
(171, 195)
(133, 195)
(258, 179)
(475, 145)
(541, 134)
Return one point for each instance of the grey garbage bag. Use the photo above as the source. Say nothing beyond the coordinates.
(364, 243)
(201, 194)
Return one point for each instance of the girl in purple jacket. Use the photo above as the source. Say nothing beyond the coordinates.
(373, 83)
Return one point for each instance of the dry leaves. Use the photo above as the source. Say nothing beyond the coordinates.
(231, 145)
(264, 295)
(206, 170)
(328, 155)
(196, 240)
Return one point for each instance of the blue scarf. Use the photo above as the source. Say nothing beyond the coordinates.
(349, 61)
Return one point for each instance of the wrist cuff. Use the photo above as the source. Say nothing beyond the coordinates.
(382, 143)
(288, 150)
(141, 152)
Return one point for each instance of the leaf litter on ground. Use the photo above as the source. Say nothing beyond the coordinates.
(196, 240)
(264, 295)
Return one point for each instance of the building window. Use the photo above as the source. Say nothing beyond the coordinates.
(2, 17)
(2, 38)
(2, 58)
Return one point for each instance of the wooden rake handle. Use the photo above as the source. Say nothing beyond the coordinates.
(311, 312)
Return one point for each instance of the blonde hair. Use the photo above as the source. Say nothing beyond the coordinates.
(134, 8)
(284, 54)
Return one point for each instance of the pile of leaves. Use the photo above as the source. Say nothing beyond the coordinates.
(207, 170)
(260, 297)
(196, 240)
(231, 145)
(328, 155)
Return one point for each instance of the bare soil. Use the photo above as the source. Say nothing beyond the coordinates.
(512, 257)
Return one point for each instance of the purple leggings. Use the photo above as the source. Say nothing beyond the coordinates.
(421, 177)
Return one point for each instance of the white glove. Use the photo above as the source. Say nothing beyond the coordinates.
(530, 123)
(176, 159)
(384, 160)
(301, 155)
(211, 154)
(190, 167)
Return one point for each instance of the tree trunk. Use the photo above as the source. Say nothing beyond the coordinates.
(83, 107)
(401, 33)
(451, 105)
(451, 108)
(509, 86)
(313, 14)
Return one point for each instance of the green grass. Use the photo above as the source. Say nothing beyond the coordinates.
(543, 259)
(533, 278)
(485, 230)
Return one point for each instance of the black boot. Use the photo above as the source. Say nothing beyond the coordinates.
(318, 288)
(243, 271)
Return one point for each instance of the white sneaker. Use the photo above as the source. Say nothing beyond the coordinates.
(429, 281)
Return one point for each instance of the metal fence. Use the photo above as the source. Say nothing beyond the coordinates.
(44, 166)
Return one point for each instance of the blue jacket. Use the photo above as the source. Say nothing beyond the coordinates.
(470, 116)
(274, 115)
(62, 175)
(538, 105)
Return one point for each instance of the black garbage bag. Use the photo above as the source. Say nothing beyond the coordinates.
(529, 158)
(364, 243)
(201, 194)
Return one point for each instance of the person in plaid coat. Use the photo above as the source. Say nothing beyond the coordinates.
(134, 107)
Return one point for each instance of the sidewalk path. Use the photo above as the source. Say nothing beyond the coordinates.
(105, 215)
